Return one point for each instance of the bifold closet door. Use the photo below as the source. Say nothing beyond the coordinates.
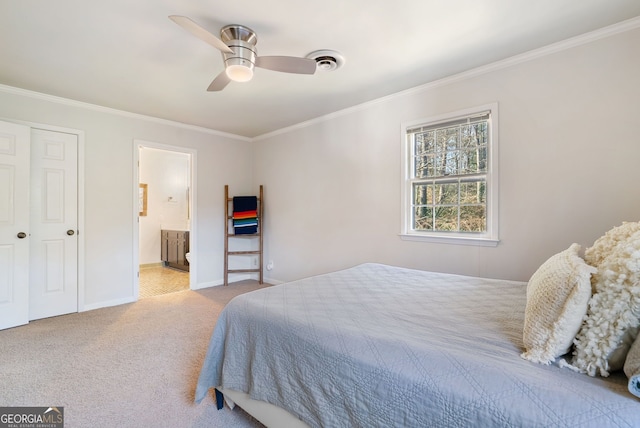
(38, 224)
(14, 224)
(53, 253)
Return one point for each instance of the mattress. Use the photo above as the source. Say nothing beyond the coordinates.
(380, 346)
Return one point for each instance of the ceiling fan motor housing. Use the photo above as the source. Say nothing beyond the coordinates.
(242, 41)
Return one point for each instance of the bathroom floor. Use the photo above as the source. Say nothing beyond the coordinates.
(156, 280)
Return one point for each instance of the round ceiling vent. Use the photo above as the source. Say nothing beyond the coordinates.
(327, 60)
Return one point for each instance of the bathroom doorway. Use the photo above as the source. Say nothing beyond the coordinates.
(165, 207)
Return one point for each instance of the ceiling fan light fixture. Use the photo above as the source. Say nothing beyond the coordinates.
(237, 44)
(239, 72)
(239, 64)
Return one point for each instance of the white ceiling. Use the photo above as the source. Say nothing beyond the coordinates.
(129, 56)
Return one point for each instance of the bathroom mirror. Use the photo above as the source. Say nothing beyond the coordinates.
(142, 200)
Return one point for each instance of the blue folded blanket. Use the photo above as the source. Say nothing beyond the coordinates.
(245, 215)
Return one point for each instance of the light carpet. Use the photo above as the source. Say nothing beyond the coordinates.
(133, 365)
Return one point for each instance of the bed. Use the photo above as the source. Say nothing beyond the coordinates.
(381, 346)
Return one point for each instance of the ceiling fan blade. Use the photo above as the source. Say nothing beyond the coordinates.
(200, 32)
(219, 82)
(287, 64)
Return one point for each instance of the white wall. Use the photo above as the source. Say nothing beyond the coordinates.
(110, 184)
(569, 151)
(166, 175)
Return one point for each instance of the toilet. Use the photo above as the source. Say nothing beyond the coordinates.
(188, 257)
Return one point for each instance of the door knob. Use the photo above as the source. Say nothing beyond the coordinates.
(22, 235)
(70, 232)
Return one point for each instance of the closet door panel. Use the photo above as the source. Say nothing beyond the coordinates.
(54, 223)
(14, 224)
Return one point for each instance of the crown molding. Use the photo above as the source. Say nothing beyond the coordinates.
(582, 39)
(602, 33)
(80, 104)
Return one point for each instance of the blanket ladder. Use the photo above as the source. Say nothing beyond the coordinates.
(229, 234)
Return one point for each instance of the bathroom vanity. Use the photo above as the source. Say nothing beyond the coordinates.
(174, 245)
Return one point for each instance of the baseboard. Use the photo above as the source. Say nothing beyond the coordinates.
(108, 303)
(273, 281)
(209, 284)
(236, 278)
(151, 265)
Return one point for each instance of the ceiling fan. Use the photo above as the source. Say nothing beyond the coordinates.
(238, 46)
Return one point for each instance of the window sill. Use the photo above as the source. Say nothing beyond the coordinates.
(456, 240)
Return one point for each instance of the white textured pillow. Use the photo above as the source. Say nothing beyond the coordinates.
(613, 316)
(557, 297)
(605, 245)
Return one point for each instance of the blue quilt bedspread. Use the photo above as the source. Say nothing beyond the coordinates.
(381, 346)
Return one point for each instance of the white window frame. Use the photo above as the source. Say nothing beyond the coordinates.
(490, 236)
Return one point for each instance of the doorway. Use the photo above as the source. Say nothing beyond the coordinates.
(165, 221)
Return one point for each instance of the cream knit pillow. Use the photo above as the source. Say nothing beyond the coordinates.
(557, 297)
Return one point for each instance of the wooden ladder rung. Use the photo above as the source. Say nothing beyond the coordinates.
(242, 270)
(231, 253)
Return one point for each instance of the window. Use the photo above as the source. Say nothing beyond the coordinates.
(450, 178)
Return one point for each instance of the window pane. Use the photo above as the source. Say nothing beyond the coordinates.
(473, 135)
(446, 219)
(446, 194)
(473, 192)
(482, 159)
(453, 158)
(423, 218)
(481, 133)
(423, 194)
(424, 142)
(445, 164)
(423, 166)
(473, 161)
(441, 141)
(468, 162)
(473, 218)
(448, 137)
(468, 137)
